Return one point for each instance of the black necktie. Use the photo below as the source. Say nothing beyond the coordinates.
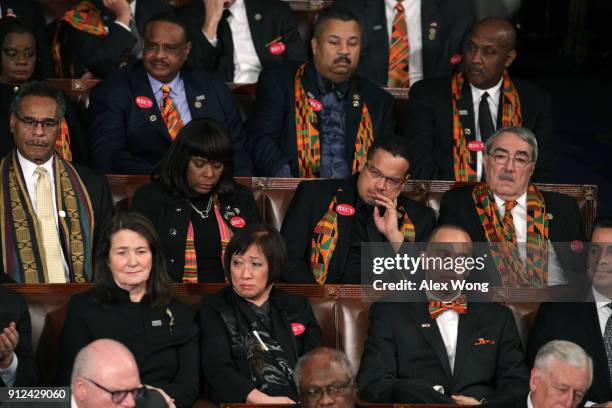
(227, 44)
(485, 122)
(608, 343)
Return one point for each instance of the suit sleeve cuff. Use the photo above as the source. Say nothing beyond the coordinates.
(213, 41)
(123, 25)
(8, 374)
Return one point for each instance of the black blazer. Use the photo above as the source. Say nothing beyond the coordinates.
(271, 126)
(404, 355)
(268, 20)
(428, 126)
(171, 214)
(458, 208)
(100, 55)
(309, 203)
(227, 377)
(101, 201)
(166, 351)
(576, 322)
(128, 139)
(31, 14)
(13, 308)
(444, 24)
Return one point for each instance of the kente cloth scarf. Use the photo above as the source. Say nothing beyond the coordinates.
(62, 143)
(399, 51)
(463, 164)
(254, 338)
(437, 307)
(307, 133)
(84, 16)
(325, 238)
(514, 271)
(23, 258)
(190, 271)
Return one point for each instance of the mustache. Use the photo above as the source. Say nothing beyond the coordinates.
(38, 143)
(506, 176)
(343, 58)
(474, 68)
(159, 62)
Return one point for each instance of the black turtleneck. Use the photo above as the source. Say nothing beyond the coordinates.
(207, 242)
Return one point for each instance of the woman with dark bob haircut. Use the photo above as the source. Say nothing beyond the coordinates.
(132, 301)
(252, 333)
(195, 204)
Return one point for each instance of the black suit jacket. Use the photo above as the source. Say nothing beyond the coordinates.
(576, 322)
(444, 24)
(171, 214)
(271, 126)
(404, 355)
(13, 308)
(428, 125)
(268, 20)
(310, 202)
(31, 14)
(458, 208)
(100, 55)
(127, 139)
(101, 200)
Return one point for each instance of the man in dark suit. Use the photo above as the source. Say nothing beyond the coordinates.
(317, 119)
(434, 34)
(442, 348)
(237, 38)
(51, 208)
(508, 208)
(586, 323)
(17, 367)
(447, 121)
(109, 37)
(31, 14)
(561, 376)
(138, 110)
(367, 207)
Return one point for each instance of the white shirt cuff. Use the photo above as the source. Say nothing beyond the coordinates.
(213, 41)
(589, 403)
(8, 374)
(123, 25)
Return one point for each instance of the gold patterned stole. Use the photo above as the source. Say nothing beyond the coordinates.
(463, 165)
(308, 138)
(514, 271)
(22, 253)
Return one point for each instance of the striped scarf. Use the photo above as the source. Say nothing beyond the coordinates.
(307, 133)
(463, 164)
(533, 272)
(325, 238)
(23, 259)
(190, 271)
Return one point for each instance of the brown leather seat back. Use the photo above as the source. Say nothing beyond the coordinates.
(325, 311)
(524, 315)
(353, 322)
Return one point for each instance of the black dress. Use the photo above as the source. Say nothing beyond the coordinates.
(163, 341)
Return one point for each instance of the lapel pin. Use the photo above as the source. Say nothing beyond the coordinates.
(61, 213)
(143, 102)
(152, 118)
(550, 216)
(156, 323)
(197, 104)
(179, 209)
(355, 104)
(200, 97)
(463, 112)
(432, 33)
(467, 131)
(425, 325)
(258, 17)
(377, 27)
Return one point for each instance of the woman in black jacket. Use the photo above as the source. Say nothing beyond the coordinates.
(133, 302)
(195, 204)
(252, 333)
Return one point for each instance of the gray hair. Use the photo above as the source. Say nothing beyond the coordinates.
(333, 355)
(524, 133)
(86, 359)
(37, 88)
(566, 352)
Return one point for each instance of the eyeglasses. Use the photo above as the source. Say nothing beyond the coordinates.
(519, 162)
(173, 49)
(32, 124)
(313, 394)
(119, 395)
(13, 54)
(376, 174)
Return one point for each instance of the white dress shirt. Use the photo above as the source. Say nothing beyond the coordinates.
(519, 216)
(30, 177)
(603, 311)
(448, 323)
(246, 62)
(412, 12)
(9, 373)
(177, 94)
(133, 8)
(529, 403)
(493, 101)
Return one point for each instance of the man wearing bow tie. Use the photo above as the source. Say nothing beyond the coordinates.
(508, 209)
(318, 119)
(442, 348)
(139, 110)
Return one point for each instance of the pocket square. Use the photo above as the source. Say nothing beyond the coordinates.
(482, 341)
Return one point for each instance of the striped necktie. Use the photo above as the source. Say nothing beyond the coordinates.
(399, 50)
(508, 220)
(608, 343)
(170, 113)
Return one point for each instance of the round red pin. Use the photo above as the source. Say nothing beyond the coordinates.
(143, 102)
(576, 246)
(237, 222)
(297, 328)
(345, 209)
(476, 146)
(277, 48)
(316, 105)
(455, 59)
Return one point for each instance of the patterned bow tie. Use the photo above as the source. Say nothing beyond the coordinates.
(459, 305)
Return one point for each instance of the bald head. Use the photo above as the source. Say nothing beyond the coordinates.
(103, 363)
(504, 30)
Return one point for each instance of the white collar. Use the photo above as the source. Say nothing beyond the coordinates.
(493, 91)
(600, 299)
(521, 201)
(28, 168)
